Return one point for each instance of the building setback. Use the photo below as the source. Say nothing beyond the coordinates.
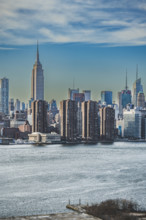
(4, 95)
(90, 120)
(68, 115)
(107, 123)
(37, 80)
(39, 116)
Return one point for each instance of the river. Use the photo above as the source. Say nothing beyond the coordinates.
(42, 179)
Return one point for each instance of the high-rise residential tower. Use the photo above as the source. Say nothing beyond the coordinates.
(90, 120)
(37, 80)
(4, 95)
(107, 123)
(39, 116)
(68, 116)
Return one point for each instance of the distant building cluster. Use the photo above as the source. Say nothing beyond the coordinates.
(78, 119)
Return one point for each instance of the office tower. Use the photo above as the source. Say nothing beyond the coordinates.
(39, 116)
(132, 123)
(79, 97)
(11, 105)
(29, 102)
(53, 107)
(106, 97)
(71, 93)
(120, 104)
(126, 95)
(124, 98)
(22, 106)
(37, 80)
(141, 100)
(4, 95)
(68, 116)
(137, 87)
(90, 120)
(17, 105)
(87, 94)
(107, 123)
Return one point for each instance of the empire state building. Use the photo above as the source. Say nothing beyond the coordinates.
(37, 80)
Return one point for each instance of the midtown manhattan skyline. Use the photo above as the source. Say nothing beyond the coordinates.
(91, 43)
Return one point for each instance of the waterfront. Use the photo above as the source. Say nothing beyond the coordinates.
(39, 180)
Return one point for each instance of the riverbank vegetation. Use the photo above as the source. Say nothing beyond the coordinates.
(118, 209)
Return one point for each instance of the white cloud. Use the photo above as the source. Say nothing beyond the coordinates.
(111, 22)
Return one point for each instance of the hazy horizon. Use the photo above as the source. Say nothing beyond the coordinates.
(91, 43)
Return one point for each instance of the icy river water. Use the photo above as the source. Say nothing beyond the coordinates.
(42, 179)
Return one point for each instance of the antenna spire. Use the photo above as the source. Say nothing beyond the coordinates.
(137, 72)
(126, 87)
(73, 83)
(37, 58)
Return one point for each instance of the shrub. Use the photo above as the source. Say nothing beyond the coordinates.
(118, 209)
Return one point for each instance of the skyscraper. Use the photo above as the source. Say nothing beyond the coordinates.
(39, 116)
(141, 100)
(132, 123)
(53, 107)
(87, 94)
(11, 105)
(37, 80)
(107, 123)
(106, 97)
(17, 105)
(71, 93)
(124, 97)
(90, 120)
(4, 95)
(137, 87)
(68, 116)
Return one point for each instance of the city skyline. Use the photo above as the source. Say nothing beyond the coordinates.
(78, 41)
(59, 91)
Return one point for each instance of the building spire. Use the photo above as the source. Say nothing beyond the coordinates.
(126, 87)
(37, 57)
(73, 83)
(137, 72)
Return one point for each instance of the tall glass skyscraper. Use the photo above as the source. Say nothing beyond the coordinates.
(126, 97)
(71, 93)
(37, 80)
(106, 97)
(137, 87)
(4, 95)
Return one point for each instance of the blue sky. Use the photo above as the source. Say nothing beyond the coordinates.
(92, 41)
